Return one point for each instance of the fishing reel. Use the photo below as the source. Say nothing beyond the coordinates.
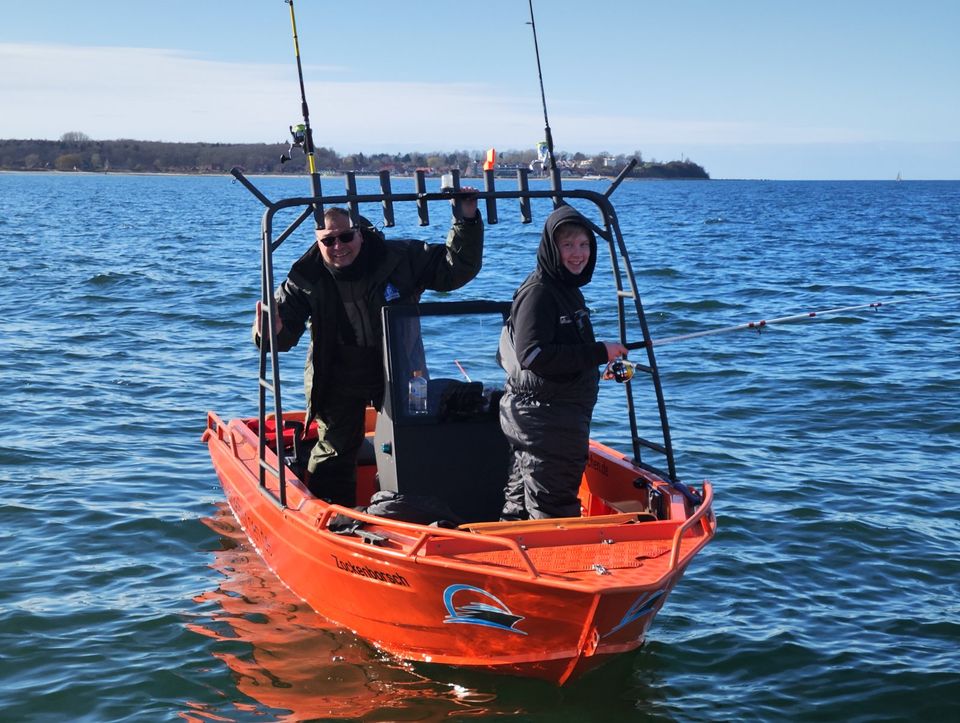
(299, 135)
(620, 370)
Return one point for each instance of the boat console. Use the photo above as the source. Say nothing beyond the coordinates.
(455, 450)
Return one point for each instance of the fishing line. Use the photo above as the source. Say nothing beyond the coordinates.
(763, 323)
(303, 134)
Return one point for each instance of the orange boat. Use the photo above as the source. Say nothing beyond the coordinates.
(548, 599)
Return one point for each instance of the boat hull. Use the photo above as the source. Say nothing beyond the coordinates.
(544, 603)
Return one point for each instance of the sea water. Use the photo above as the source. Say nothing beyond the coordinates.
(829, 593)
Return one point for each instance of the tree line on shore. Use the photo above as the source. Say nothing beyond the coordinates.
(77, 152)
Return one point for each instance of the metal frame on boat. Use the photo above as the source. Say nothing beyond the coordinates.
(626, 286)
(542, 598)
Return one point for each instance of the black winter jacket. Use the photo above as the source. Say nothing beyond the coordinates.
(548, 347)
(345, 339)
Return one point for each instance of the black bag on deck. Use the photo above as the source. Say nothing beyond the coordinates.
(461, 400)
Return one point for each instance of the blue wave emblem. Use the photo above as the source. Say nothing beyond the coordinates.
(641, 606)
(488, 611)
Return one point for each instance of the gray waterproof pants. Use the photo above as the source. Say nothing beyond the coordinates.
(549, 445)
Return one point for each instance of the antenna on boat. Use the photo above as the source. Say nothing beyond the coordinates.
(554, 175)
(302, 133)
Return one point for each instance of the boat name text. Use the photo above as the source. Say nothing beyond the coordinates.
(370, 572)
(598, 465)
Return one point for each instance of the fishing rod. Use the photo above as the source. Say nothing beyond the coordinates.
(555, 177)
(763, 323)
(302, 133)
(622, 370)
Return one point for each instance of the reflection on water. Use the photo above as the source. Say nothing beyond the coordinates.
(302, 665)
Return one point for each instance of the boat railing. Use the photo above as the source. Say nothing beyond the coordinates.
(704, 516)
(422, 535)
(216, 426)
(491, 196)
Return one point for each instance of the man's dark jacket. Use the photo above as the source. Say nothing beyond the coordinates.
(387, 271)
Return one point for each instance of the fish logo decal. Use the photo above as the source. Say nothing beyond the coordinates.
(641, 606)
(473, 606)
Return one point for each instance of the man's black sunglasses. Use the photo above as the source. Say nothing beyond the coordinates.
(344, 238)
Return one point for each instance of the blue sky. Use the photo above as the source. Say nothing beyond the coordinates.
(747, 88)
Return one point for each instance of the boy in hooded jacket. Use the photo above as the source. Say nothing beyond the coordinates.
(551, 357)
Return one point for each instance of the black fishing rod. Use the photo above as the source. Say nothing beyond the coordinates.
(554, 174)
(302, 133)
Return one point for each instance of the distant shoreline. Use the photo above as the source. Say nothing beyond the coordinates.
(75, 152)
(301, 176)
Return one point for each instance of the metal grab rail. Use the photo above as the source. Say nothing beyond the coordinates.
(701, 515)
(424, 535)
(216, 426)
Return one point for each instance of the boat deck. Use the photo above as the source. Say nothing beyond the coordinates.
(626, 554)
(596, 557)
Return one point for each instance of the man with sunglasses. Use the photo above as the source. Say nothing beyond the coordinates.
(337, 290)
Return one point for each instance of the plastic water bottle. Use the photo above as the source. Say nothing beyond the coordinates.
(418, 393)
